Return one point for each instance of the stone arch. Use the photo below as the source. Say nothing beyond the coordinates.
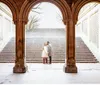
(61, 4)
(78, 5)
(70, 64)
(12, 6)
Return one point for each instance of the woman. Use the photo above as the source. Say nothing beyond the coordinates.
(45, 54)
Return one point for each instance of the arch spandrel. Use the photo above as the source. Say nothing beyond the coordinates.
(78, 5)
(61, 4)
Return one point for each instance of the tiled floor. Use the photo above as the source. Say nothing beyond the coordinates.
(51, 74)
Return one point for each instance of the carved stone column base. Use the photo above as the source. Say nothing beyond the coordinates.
(20, 69)
(70, 69)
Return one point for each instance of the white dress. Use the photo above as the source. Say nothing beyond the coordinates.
(44, 52)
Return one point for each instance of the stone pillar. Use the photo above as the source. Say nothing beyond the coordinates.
(20, 47)
(70, 62)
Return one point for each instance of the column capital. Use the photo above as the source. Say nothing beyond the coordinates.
(66, 21)
(20, 20)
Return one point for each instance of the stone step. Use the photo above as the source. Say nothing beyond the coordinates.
(34, 49)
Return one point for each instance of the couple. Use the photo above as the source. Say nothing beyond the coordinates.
(47, 53)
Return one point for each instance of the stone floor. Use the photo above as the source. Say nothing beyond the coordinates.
(88, 73)
(34, 44)
(38, 73)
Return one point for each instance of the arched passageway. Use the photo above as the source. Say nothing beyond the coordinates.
(7, 33)
(48, 27)
(87, 30)
(70, 63)
(69, 9)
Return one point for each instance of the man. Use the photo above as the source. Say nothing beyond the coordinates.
(49, 48)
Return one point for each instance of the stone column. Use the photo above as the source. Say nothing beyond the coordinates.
(20, 47)
(70, 62)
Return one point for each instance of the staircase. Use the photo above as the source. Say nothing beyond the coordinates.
(34, 45)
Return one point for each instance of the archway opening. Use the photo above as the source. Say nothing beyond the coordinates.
(7, 35)
(87, 34)
(45, 24)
